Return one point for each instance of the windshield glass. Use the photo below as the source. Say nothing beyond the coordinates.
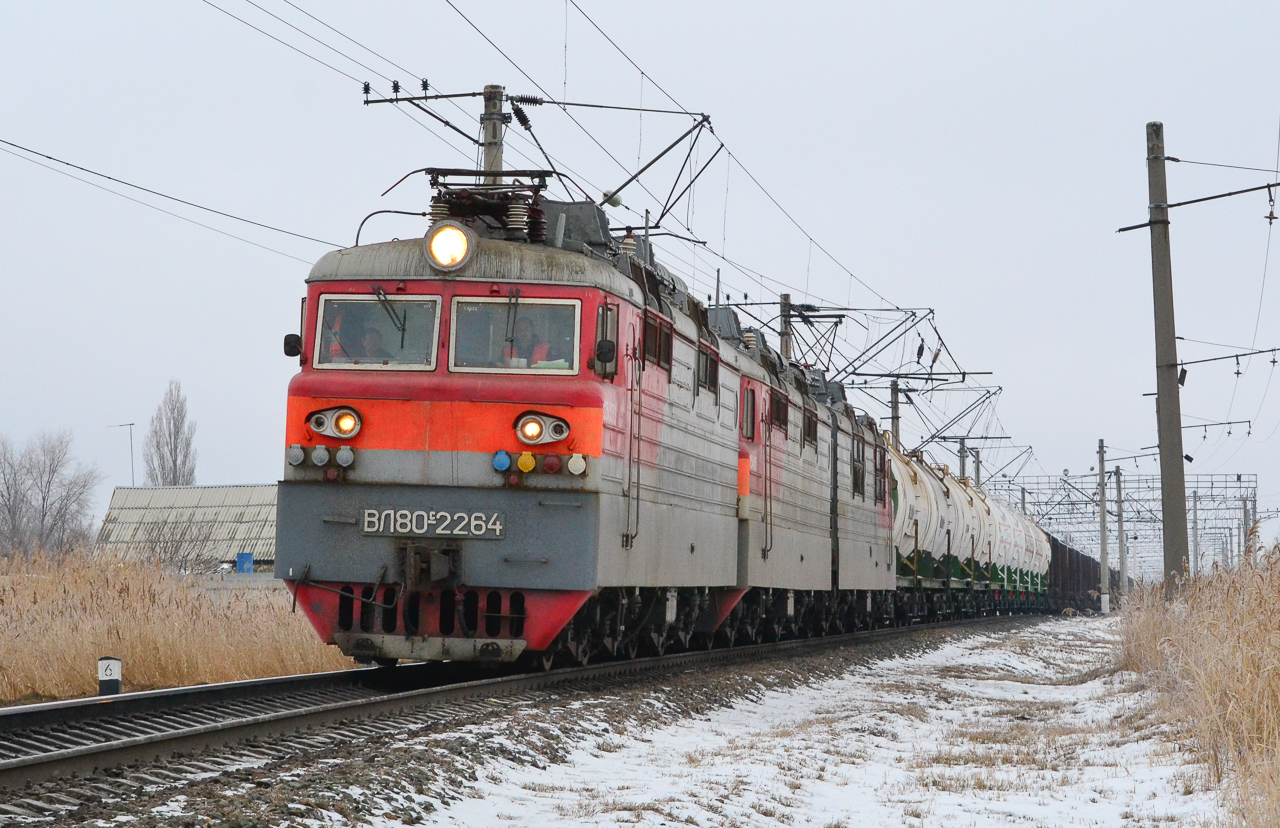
(502, 335)
(377, 332)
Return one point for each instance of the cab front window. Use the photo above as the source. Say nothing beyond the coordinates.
(514, 335)
(377, 332)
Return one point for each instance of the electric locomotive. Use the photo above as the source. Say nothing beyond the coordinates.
(520, 437)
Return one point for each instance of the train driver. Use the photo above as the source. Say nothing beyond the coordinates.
(527, 348)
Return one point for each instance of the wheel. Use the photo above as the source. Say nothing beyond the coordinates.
(701, 641)
(386, 662)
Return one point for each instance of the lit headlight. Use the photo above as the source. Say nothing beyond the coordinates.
(342, 423)
(533, 429)
(448, 245)
(346, 423)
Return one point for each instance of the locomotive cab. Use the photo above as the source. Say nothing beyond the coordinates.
(444, 438)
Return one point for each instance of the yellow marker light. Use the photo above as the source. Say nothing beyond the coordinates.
(526, 463)
(346, 423)
(448, 246)
(531, 430)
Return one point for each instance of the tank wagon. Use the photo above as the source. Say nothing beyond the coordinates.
(521, 437)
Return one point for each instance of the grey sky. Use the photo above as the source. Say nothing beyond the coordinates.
(973, 158)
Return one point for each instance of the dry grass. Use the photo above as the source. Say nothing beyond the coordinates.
(1214, 652)
(59, 615)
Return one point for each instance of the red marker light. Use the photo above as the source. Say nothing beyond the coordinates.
(513, 480)
(551, 463)
(331, 475)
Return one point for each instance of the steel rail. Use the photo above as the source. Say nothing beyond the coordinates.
(84, 737)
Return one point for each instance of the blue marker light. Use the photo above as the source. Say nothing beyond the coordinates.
(501, 461)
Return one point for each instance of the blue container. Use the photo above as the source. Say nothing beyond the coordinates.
(244, 563)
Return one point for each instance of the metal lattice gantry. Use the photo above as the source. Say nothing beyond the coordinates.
(1220, 509)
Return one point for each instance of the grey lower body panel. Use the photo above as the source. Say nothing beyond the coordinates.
(549, 539)
(370, 645)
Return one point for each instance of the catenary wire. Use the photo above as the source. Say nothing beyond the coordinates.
(154, 207)
(165, 196)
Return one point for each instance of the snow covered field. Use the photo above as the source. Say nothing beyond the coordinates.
(1022, 722)
(1024, 728)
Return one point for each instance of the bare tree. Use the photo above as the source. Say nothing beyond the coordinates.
(45, 495)
(169, 452)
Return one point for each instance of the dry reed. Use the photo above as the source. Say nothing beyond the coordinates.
(58, 615)
(1214, 652)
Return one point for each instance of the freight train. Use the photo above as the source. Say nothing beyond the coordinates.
(521, 438)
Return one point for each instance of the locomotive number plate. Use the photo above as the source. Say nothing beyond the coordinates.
(432, 524)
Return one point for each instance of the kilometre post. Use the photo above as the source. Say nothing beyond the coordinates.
(1173, 494)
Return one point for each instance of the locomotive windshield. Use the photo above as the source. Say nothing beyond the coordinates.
(505, 335)
(377, 332)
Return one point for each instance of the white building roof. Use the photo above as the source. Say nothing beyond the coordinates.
(191, 524)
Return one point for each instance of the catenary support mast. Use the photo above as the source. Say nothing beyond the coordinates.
(493, 121)
(1105, 588)
(1173, 495)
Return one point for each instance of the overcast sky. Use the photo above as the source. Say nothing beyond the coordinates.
(971, 158)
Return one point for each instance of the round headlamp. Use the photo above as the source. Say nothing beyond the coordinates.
(449, 245)
(531, 430)
(346, 423)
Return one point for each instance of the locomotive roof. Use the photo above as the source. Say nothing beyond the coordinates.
(494, 261)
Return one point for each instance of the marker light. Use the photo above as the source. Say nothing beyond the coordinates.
(345, 456)
(346, 423)
(577, 464)
(320, 455)
(526, 463)
(448, 245)
(501, 461)
(551, 464)
(295, 455)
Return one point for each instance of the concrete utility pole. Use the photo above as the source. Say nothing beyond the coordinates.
(492, 121)
(1173, 491)
(1124, 562)
(977, 467)
(1102, 527)
(1195, 533)
(1245, 551)
(961, 452)
(784, 329)
(895, 418)
(1024, 500)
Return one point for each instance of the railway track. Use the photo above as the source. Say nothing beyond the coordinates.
(106, 747)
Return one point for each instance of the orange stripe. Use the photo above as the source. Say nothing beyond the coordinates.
(744, 473)
(444, 426)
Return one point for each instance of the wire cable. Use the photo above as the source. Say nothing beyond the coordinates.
(163, 195)
(154, 207)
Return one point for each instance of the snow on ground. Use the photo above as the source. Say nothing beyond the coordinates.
(1025, 727)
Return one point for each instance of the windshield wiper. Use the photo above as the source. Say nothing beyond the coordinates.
(396, 320)
(513, 307)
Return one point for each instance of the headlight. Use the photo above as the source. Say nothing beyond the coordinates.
(346, 423)
(533, 429)
(342, 423)
(448, 245)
